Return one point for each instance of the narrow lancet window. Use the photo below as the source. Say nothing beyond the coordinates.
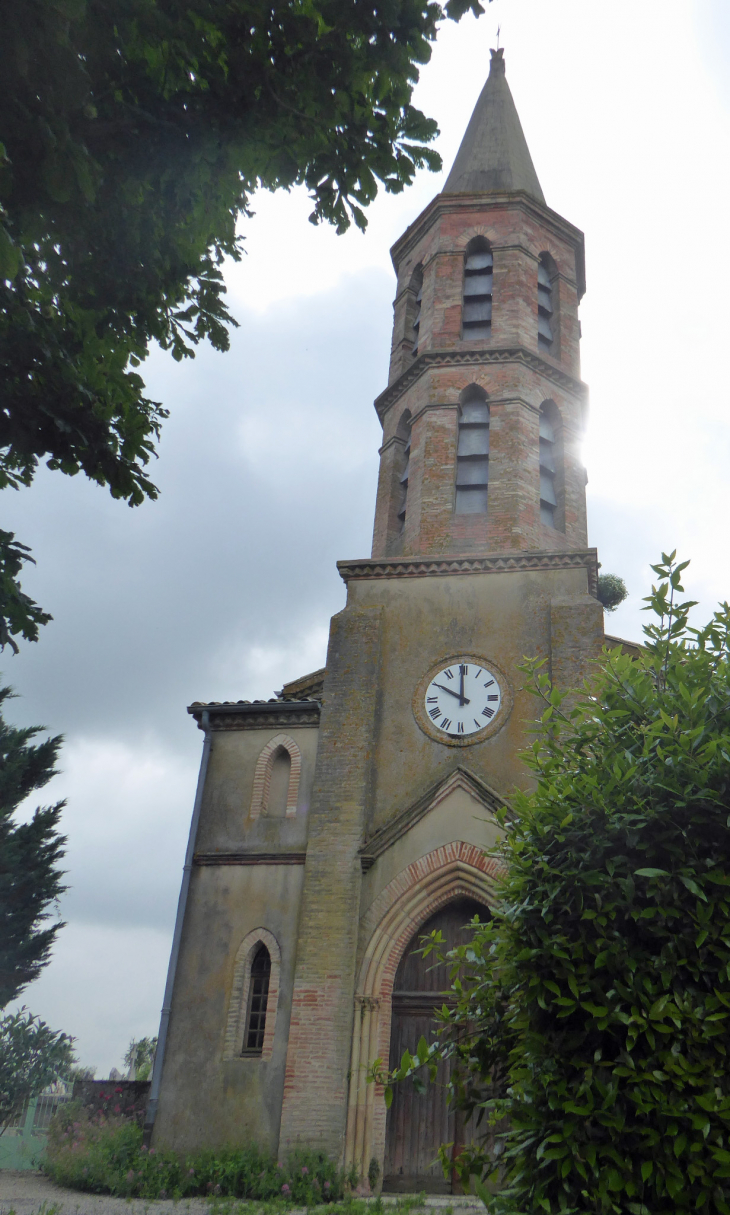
(548, 501)
(472, 455)
(279, 783)
(258, 998)
(476, 317)
(544, 306)
(405, 428)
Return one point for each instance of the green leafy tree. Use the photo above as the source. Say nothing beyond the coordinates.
(30, 877)
(593, 1010)
(140, 1058)
(132, 136)
(32, 1056)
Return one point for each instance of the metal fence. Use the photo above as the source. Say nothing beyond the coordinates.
(23, 1144)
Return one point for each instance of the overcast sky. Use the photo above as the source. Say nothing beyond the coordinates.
(223, 588)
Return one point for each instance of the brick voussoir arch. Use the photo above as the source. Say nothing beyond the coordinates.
(262, 775)
(454, 870)
(238, 1004)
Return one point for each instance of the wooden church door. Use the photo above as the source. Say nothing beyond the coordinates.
(418, 1123)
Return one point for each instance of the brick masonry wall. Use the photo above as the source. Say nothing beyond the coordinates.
(516, 374)
(315, 1087)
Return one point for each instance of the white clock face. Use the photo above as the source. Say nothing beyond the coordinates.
(463, 698)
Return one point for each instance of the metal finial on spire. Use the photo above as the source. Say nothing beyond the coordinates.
(499, 30)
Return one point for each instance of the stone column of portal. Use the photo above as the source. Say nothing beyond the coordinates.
(320, 1037)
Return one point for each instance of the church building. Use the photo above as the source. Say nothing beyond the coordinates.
(341, 820)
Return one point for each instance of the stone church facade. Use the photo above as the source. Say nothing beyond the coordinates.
(336, 822)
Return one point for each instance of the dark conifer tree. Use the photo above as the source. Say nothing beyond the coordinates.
(30, 877)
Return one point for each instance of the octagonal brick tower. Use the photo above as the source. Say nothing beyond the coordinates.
(492, 205)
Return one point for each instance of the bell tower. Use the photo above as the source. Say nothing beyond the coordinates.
(338, 820)
(479, 557)
(484, 408)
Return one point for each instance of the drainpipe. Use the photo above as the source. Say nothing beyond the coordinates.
(151, 1113)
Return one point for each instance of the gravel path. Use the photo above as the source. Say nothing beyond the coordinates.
(25, 1193)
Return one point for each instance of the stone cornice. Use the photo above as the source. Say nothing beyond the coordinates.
(475, 358)
(460, 778)
(495, 563)
(444, 203)
(249, 858)
(259, 715)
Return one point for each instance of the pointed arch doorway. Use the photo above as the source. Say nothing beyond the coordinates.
(418, 1123)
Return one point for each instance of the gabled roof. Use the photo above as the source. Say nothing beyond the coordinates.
(494, 156)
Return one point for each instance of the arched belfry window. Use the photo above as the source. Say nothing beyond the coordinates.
(476, 316)
(415, 310)
(544, 304)
(548, 467)
(472, 453)
(405, 433)
(258, 998)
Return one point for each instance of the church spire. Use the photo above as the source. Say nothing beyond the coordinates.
(494, 156)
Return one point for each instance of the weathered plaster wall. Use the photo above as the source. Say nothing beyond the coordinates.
(500, 616)
(206, 1099)
(226, 822)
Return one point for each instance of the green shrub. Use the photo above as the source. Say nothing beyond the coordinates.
(593, 1010)
(611, 591)
(105, 1155)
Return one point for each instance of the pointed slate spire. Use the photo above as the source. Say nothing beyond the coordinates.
(494, 156)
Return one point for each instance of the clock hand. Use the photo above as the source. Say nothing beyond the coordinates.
(461, 700)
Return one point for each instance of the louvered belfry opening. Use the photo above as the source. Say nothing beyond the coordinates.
(472, 453)
(418, 1123)
(548, 468)
(405, 429)
(544, 305)
(476, 317)
(417, 288)
(258, 998)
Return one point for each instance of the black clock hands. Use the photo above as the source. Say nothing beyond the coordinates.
(461, 699)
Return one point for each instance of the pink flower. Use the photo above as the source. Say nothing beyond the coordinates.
(191, 1172)
(130, 1175)
(326, 1185)
(118, 1090)
(285, 1189)
(305, 1170)
(153, 1151)
(143, 1148)
(117, 1109)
